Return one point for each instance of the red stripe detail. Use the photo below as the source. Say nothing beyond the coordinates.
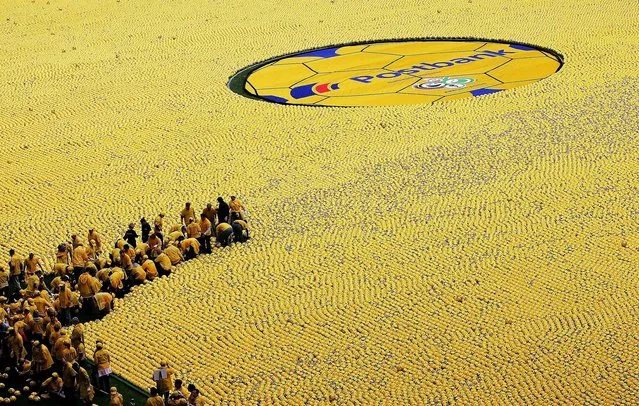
(323, 88)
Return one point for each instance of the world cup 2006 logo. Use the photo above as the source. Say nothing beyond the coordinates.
(444, 83)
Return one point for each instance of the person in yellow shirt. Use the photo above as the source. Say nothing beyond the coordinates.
(163, 379)
(62, 254)
(41, 303)
(103, 302)
(173, 236)
(92, 251)
(125, 260)
(59, 346)
(116, 256)
(210, 213)
(237, 209)
(41, 360)
(195, 398)
(79, 260)
(179, 387)
(69, 384)
(16, 269)
(33, 263)
(155, 399)
(205, 233)
(163, 264)
(4, 281)
(174, 254)
(116, 398)
(116, 281)
(53, 387)
(32, 281)
(103, 365)
(158, 224)
(93, 235)
(190, 247)
(224, 234)
(142, 250)
(16, 345)
(69, 354)
(193, 229)
(187, 213)
(138, 275)
(88, 285)
(64, 302)
(84, 384)
(150, 268)
(155, 245)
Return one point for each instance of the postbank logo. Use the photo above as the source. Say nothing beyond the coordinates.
(398, 72)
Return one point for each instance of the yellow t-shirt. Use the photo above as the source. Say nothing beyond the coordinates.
(138, 274)
(190, 242)
(235, 205)
(186, 214)
(125, 260)
(193, 230)
(15, 264)
(116, 279)
(173, 236)
(150, 269)
(174, 254)
(205, 226)
(80, 257)
(164, 261)
(155, 401)
(32, 264)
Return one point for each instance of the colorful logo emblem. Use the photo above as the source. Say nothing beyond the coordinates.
(443, 83)
(397, 72)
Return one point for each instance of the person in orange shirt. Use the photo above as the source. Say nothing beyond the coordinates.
(88, 285)
(116, 398)
(155, 245)
(64, 301)
(138, 275)
(190, 247)
(205, 233)
(193, 229)
(103, 302)
(41, 360)
(116, 282)
(32, 263)
(163, 264)
(174, 254)
(155, 399)
(125, 260)
(237, 209)
(93, 235)
(149, 267)
(75, 241)
(210, 213)
(79, 260)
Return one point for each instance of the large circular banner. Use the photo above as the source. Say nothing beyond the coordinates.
(396, 72)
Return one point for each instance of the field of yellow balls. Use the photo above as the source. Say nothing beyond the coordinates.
(482, 251)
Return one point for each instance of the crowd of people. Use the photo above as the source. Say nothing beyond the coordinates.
(86, 277)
